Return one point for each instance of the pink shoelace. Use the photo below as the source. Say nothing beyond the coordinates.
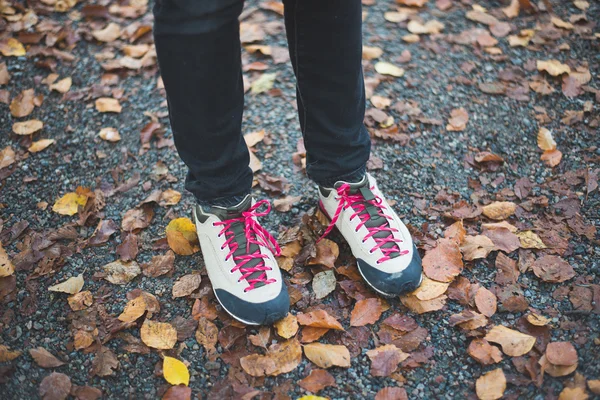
(357, 202)
(255, 234)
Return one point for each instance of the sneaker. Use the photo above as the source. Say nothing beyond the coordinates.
(385, 254)
(239, 258)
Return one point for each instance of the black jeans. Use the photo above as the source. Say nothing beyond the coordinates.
(198, 47)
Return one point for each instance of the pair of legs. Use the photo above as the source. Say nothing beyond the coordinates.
(198, 49)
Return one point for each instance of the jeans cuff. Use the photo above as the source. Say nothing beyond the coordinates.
(225, 202)
(352, 177)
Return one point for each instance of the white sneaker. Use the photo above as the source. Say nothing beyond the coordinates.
(238, 254)
(385, 254)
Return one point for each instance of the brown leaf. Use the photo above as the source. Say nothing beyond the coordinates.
(262, 338)
(401, 322)
(475, 247)
(182, 236)
(7, 157)
(514, 343)
(327, 355)
(107, 104)
(202, 308)
(134, 309)
(323, 283)
(80, 301)
(40, 145)
(483, 352)
(318, 319)
(556, 370)
(23, 104)
(103, 232)
(444, 262)
(430, 289)
(287, 327)
(423, 306)
(159, 265)
(286, 203)
(391, 393)
(281, 358)
(456, 232)
(179, 392)
(159, 335)
(553, 269)
(44, 358)
(458, 120)
(485, 302)
(186, 285)
(499, 210)
(503, 239)
(137, 218)
(55, 386)
(561, 353)
(85, 392)
(311, 334)
(206, 335)
(104, 363)
(491, 386)
(385, 359)
(552, 157)
(327, 252)
(366, 312)
(317, 380)
(128, 249)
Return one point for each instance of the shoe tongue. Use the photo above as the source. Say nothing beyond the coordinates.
(240, 235)
(375, 220)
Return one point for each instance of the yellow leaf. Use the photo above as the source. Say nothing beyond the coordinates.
(537, 320)
(108, 104)
(430, 289)
(530, 240)
(72, 285)
(69, 203)
(491, 386)
(264, 83)
(287, 327)
(12, 47)
(40, 145)
(182, 236)
(327, 355)
(175, 372)
(27, 127)
(7, 354)
(499, 210)
(385, 68)
(158, 335)
(62, 86)
(553, 67)
(522, 39)
(6, 267)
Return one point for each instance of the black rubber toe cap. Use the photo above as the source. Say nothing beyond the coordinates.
(255, 313)
(396, 283)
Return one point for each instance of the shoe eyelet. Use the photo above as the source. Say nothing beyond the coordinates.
(214, 224)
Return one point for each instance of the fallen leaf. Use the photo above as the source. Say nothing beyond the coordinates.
(70, 203)
(327, 355)
(186, 285)
(82, 339)
(159, 265)
(44, 358)
(430, 289)
(11, 47)
(327, 253)
(499, 210)
(366, 312)
(120, 272)
(133, 310)
(80, 301)
(207, 335)
(423, 306)
(430, 27)
(573, 393)
(72, 285)
(55, 386)
(552, 157)
(537, 320)
(323, 283)
(392, 393)
(385, 359)
(264, 83)
(175, 372)
(553, 67)
(287, 327)
(555, 370)
(545, 140)
(370, 53)
(561, 353)
(104, 363)
(182, 236)
(158, 335)
(444, 262)
(485, 302)
(530, 240)
(318, 319)
(109, 134)
(553, 269)
(40, 145)
(476, 247)
(594, 385)
(62, 86)
(7, 157)
(483, 352)
(253, 138)
(6, 266)
(178, 392)
(458, 120)
(491, 386)
(512, 10)
(7, 354)
(513, 343)
(108, 104)
(27, 127)
(385, 68)
(110, 33)
(317, 380)
(281, 358)
(23, 105)
(286, 203)
(137, 218)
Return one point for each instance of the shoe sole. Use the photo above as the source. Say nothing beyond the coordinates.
(388, 295)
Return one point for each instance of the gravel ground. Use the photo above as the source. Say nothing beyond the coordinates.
(432, 160)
